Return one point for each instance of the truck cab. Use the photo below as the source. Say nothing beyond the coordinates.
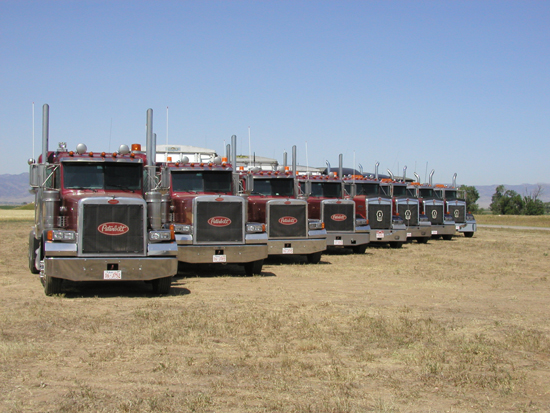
(326, 202)
(272, 199)
(210, 219)
(442, 224)
(95, 219)
(455, 206)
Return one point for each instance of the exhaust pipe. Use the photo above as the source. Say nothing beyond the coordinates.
(454, 180)
(151, 149)
(405, 173)
(233, 158)
(376, 170)
(328, 167)
(45, 132)
(285, 157)
(340, 166)
(390, 173)
(228, 151)
(360, 168)
(431, 175)
(417, 177)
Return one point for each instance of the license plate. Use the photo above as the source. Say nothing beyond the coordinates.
(288, 250)
(338, 242)
(434, 232)
(112, 275)
(219, 258)
(379, 234)
(409, 234)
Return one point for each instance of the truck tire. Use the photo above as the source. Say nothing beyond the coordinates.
(52, 285)
(396, 244)
(314, 258)
(162, 285)
(448, 237)
(359, 249)
(253, 268)
(423, 240)
(468, 234)
(34, 244)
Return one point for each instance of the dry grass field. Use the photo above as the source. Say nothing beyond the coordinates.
(450, 326)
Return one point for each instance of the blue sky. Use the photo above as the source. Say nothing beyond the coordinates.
(455, 86)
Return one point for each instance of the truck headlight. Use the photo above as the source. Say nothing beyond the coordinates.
(254, 227)
(61, 235)
(183, 228)
(315, 224)
(470, 217)
(423, 218)
(161, 235)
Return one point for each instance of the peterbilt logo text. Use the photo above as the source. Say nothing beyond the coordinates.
(288, 220)
(338, 217)
(113, 228)
(379, 215)
(219, 221)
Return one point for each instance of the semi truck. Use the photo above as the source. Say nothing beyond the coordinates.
(209, 215)
(456, 207)
(273, 200)
(407, 207)
(326, 200)
(377, 207)
(97, 218)
(442, 224)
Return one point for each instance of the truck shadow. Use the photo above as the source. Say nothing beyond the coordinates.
(105, 289)
(186, 270)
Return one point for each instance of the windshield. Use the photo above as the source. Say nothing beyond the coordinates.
(95, 175)
(427, 193)
(450, 194)
(201, 181)
(273, 187)
(367, 189)
(326, 189)
(399, 191)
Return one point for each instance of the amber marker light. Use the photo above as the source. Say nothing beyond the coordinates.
(136, 147)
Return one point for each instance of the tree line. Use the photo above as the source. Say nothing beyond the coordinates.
(507, 202)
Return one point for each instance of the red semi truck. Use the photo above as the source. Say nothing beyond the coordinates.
(273, 200)
(442, 224)
(456, 207)
(377, 207)
(408, 208)
(210, 218)
(326, 199)
(97, 218)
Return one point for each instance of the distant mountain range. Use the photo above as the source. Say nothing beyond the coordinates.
(14, 189)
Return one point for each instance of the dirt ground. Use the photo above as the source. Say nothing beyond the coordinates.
(450, 326)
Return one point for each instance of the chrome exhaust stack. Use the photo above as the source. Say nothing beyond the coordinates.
(417, 177)
(376, 170)
(431, 176)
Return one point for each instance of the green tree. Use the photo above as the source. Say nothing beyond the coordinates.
(506, 202)
(471, 195)
(532, 205)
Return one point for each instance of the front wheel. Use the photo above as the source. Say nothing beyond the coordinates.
(447, 237)
(253, 268)
(34, 244)
(423, 240)
(162, 285)
(314, 258)
(468, 234)
(52, 285)
(396, 244)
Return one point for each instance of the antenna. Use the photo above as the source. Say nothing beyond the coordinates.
(110, 133)
(249, 150)
(307, 163)
(32, 130)
(167, 127)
